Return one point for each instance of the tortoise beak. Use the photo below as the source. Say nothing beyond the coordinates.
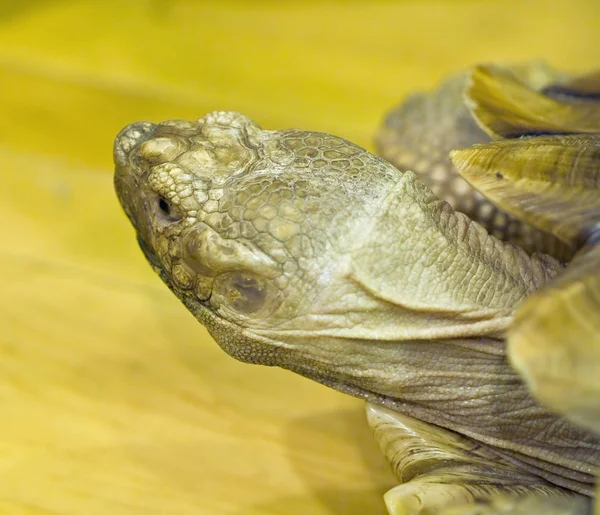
(150, 255)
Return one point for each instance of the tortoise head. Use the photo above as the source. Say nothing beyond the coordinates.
(252, 229)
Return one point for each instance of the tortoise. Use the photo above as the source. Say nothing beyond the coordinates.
(456, 318)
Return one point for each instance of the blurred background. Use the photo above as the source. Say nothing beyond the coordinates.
(113, 399)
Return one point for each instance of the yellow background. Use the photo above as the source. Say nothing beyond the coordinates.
(113, 400)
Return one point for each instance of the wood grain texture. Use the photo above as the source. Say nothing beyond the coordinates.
(112, 398)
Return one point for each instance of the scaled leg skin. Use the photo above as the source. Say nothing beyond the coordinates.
(443, 473)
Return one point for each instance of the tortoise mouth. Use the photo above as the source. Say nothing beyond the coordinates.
(155, 263)
(148, 253)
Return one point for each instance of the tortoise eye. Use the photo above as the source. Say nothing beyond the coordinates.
(164, 206)
(167, 211)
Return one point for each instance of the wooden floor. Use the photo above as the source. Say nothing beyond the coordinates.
(113, 400)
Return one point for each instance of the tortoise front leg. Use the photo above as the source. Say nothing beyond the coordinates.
(443, 473)
(533, 504)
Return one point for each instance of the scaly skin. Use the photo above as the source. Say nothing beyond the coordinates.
(302, 250)
(420, 133)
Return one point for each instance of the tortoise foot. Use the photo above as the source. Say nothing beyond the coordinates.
(443, 473)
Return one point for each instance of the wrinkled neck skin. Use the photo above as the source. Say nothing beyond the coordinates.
(374, 287)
